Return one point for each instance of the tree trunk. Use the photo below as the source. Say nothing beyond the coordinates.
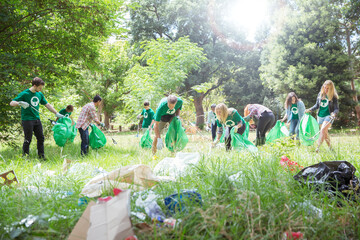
(199, 110)
(107, 120)
(351, 68)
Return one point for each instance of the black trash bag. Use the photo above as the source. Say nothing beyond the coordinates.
(332, 176)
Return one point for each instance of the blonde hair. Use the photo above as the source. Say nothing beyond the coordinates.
(331, 92)
(222, 112)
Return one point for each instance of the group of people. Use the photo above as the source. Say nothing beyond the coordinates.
(170, 107)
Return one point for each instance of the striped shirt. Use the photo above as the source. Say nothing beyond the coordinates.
(256, 110)
(87, 114)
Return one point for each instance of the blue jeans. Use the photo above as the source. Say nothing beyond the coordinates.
(84, 135)
(321, 120)
(294, 127)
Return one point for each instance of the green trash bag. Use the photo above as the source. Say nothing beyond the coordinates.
(60, 134)
(278, 131)
(247, 129)
(67, 121)
(146, 141)
(73, 132)
(176, 139)
(222, 136)
(309, 127)
(240, 142)
(97, 138)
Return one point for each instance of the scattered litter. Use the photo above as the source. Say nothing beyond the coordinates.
(83, 200)
(104, 199)
(236, 176)
(178, 165)
(8, 178)
(150, 206)
(293, 235)
(49, 192)
(171, 222)
(309, 209)
(178, 202)
(331, 176)
(135, 177)
(287, 164)
(139, 215)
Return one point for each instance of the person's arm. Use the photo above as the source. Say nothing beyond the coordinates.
(152, 123)
(336, 107)
(92, 113)
(51, 108)
(14, 103)
(316, 106)
(177, 113)
(285, 117)
(156, 129)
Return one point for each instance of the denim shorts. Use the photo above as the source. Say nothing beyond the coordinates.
(321, 120)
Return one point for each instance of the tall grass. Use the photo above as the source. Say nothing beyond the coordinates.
(262, 203)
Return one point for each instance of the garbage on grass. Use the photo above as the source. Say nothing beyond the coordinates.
(108, 221)
(278, 131)
(177, 166)
(146, 141)
(136, 177)
(180, 202)
(176, 139)
(307, 208)
(293, 235)
(97, 138)
(236, 177)
(287, 164)
(308, 129)
(8, 178)
(150, 206)
(331, 176)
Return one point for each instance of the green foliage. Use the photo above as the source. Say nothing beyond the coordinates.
(167, 65)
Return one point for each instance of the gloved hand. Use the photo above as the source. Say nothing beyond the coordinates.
(332, 116)
(102, 124)
(58, 115)
(215, 143)
(159, 144)
(23, 104)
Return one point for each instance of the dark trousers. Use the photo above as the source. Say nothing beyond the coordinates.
(29, 127)
(266, 122)
(228, 138)
(84, 135)
(213, 131)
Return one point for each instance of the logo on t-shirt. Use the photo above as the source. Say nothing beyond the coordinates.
(67, 115)
(145, 115)
(324, 103)
(294, 110)
(34, 101)
(171, 111)
(229, 123)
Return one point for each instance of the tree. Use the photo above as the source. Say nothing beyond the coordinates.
(305, 53)
(42, 38)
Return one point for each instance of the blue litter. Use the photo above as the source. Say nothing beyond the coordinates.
(177, 202)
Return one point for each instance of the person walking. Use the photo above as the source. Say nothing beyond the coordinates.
(327, 103)
(29, 100)
(211, 121)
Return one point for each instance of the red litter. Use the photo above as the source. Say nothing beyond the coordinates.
(287, 164)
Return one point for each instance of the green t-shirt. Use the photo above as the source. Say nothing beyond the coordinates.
(65, 113)
(148, 117)
(163, 108)
(324, 108)
(294, 111)
(232, 120)
(34, 99)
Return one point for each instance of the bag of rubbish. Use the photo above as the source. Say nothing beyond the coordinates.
(176, 139)
(60, 134)
(278, 131)
(73, 132)
(178, 202)
(309, 127)
(240, 142)
(331, 176)
(97, 138)
(146, 141)
(247, 129)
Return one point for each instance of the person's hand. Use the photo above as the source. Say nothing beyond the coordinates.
(102, 124)
(332, 115)
(138, 116)
(159, 144)
(307, 111)
(23, 104)
(58, 115)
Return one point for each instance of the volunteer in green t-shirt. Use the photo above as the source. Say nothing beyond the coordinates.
(67, 113)
(327, 103)
(295, 110)
(29, 100)
(230, 118)
(167, 109)
(148, 115)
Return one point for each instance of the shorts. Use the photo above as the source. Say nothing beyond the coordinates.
(321, 120)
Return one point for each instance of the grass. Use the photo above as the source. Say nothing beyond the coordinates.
(263, 203)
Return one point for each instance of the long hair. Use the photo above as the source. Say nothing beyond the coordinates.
(331, 92)
(288, 100)
(222, 112)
